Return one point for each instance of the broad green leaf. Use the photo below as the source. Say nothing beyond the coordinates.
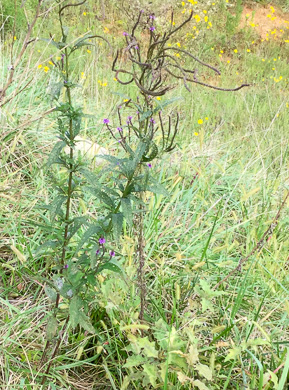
(233, 353)
(148, 347)
(193, 355)
(51, 328)
(85, 323)
(200, 385)
(162, 104)
(205, 371)
(77, 316)
(110, 266)
(54, 154)
(76, 225)
(117, 221)
(51, 293)
(59, 45)
(55, 207)
(54, 90)
(134, 361)
(91, 231)
(127, 210)
(151, 372)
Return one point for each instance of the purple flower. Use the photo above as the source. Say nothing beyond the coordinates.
(112, 253)
(152, 28)
(125, 34)
(152, 17)
(136, 47)
(97, 252)
(106, 121)
(149, 165)
(66, 266)
(152, 120)
(119, 128)
(129, 118)
(101, 240)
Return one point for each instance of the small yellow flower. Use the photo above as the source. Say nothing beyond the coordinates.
(248, 51)
(200, 121)
(84, 14)
(235, 51)
(221, 51)
(83, 75)
(206, 118)
(158, 98)
(39, 66)
(88, 51)
(205, 11)
(115, 79)
(51, 63)
(104, 84)
(125, 100)
(196, 133)
(206, 19)
(263, 59)
(275, 59)
(183, 3)
(46, 69)
(228, 61)
(273, 68)
(178, 44)
(14, 38)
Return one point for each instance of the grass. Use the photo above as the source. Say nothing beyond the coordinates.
(226, 185)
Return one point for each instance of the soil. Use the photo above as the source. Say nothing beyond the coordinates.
(264, 20)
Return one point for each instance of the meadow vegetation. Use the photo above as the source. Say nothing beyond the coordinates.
(164, 264)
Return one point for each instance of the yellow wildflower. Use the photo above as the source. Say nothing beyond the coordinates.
(46, 69)
(200, 121)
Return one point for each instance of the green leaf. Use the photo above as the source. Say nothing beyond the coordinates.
(233, 353)
(205, 371)
(54, 90)
(148, 347)
(77, 316)
(161, 105)
(48, 244)
(151, 153)
(110, 266)
(134, 361)
(101, 195)
(151, 371)
(59, 45)
(127, 210)
(51, 293)
(76, 225)
(117, 221)
(54, 154)
(193, 355)
(85, 323)
(200, 385)
(91, 231)
(145, 115)
(51, 328)
(55, 207)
